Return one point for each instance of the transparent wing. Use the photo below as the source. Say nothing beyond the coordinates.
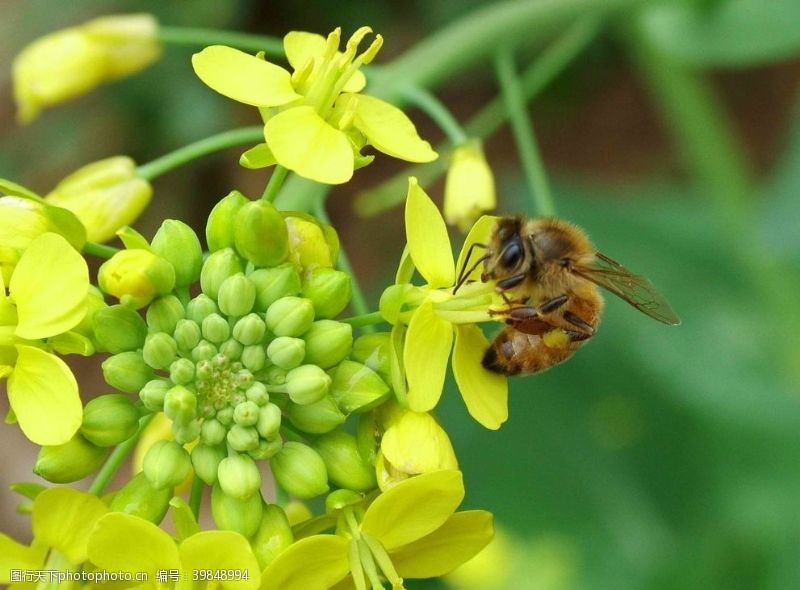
(636, 290)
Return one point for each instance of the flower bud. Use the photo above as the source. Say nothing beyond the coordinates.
(140, 498)
(215, 329)
(219, 228)
(136, 276)
(274, 375)
(181, 371)
(126, 371)
(204, 351)
(200, 307)
(344, 464)
(307, 384)
(260, 233)
(237, 294)
(166, 464)
(239, 476)
(317, 418)
(266, 448)
(286, 352)
(257, 393)
(246, 413)
(250, 329)
(357, 388)
(206, 459)
(290, 316)
(177, 243)
(232, 514)
(225, 416)
(109, 419)
(469, 188)
(309, 246)
(118, 328)
(300, 470)
(212, 432)
(328, 342)
(329, 291)
(374, 351)
(219, 266)
(254, 357)
(187, 335)
(340, 499)
(269, 420)
(180, 404)
(153, 393)
(274, 534)
(164, 313)
(242, 438)
(73, 460)
(159, 350)
(368, 435)
(274, 283)
(231, 349)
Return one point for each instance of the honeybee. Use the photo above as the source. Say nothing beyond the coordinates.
(548, 273)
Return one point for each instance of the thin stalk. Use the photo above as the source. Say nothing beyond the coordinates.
(367, 319)
(99, 250)
(522, 127)
(196, 495)
(272, 46)
(275, 183)
(117, 457)
(198, 149)
(436, 110)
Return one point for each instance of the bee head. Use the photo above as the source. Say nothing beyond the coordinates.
(507, 250)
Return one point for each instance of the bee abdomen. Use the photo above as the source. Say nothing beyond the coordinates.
(515, 353)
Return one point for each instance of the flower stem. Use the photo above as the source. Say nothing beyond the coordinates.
(99, 250)
(436, 110)
(115, 460)
(198, 149)
(522, 128)
(367, 319)
(196, 495)
(275, 183)
(272, 46)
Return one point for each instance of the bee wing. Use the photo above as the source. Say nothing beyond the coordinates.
(635, 289)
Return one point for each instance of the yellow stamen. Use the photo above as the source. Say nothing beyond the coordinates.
(384, 561)
(372, 50)
(355, 40)
(332, 45)
(301, 75)
(356, 569)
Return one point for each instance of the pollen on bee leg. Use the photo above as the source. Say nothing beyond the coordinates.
(556, 338)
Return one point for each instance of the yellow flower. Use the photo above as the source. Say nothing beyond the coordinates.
(469, 188)
(47, 297)
(441, 321)
(136, 277)
(410, 531)
(316, 119)
(73, 61)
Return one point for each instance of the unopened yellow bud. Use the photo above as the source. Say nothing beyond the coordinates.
(309, 245)
(136, 276)
(469, 189)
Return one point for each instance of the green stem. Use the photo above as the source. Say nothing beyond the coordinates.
(436, 110)
(522, 128)
(99, 250)
(196, 495)
(115, 460)
(198, 149)
(275, 183)
(367, 319)
(272, 46)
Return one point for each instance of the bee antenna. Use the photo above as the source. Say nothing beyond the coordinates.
(465, 275)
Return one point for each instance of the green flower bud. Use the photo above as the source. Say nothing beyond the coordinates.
(218, 267)
(181, 371)
(290, 316)
(357, 388)
(219, 229)
(186, 432)
(242, 438)
(204, 351)
(215, 329)
(180, 404)
(266, 449)
(250, 329)
(232, 514)
(310, 248)
(164, 313)
(246, 413)
(206, 459)
(257, 393)
(166, 464)
(237, 294)
(200, 307)
(225, 416)
(153, 393)
(212, 432)
(307, 384)
(374, 350)
(286, 352)
(140, 498)
(187, 335)
(343, 462)
(273, 535)
(317, 418)
(159, 350)
(119, 329)
(231, 349)
(329, 291)
(339, 499)
(136, 276)
(126, 371)
(328, 342)
(254, 357)
(274, 283)
(269, 420)
(73, 460)
(300, 470)
(177, 243)
(239, 476)
(260, 233)
(109, 419)
(368, 436)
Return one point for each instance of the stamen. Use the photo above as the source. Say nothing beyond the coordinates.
(355, 40)
(301, 75)
(332, 45)
(372, 50)
(369, 566)
(384, 561)
(349, 115)
(356, 569)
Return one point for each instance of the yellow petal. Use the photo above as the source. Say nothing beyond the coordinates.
(49, 286)
(314, 562)
(302, 141)
(484, 392)
(63, 518)
(425, 354)
(389, 129)
(243, 77)
(16, 556)
(414, 508)
(221, 551)
(480, 233)
(426, 234)
(454, 543)
(417, 444)
(469, 188)
(43, 393)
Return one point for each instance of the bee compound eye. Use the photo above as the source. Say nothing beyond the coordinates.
(511, 255)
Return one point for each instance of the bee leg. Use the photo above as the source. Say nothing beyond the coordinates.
(585, 328)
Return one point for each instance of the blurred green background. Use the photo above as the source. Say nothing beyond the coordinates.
(657, 457)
